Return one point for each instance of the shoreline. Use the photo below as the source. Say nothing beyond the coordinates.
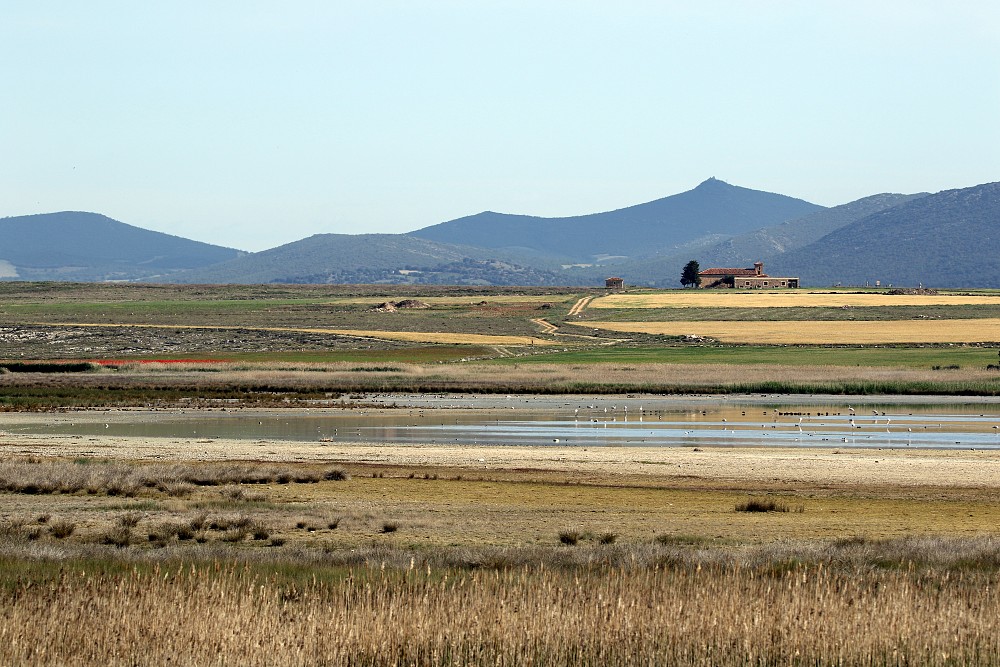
(681, 466)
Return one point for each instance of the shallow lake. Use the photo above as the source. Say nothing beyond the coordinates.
(568, 421)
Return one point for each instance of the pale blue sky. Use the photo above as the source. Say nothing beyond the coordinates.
(252, 124)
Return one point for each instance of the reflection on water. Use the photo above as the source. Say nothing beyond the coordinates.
(590, 424)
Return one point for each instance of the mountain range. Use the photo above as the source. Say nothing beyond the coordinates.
(947, 239)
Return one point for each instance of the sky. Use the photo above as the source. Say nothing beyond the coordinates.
(252, 124)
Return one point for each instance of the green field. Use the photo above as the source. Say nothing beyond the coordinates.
(926, 357)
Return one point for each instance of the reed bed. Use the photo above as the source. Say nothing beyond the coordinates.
(119, 478)
(702, 615)
(278, 385)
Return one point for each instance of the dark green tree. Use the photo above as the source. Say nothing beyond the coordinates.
(690, 277)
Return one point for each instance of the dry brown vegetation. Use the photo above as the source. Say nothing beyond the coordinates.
(671, 612)
(34, 476)
(439, 565)
(285, 384)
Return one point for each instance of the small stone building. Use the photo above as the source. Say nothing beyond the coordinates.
(754, 278)
(614, 283)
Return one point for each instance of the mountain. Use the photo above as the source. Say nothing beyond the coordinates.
(764, 244)
(712, 210)
(371, 258)
(948, 239)
(74, 245)
(770, 242)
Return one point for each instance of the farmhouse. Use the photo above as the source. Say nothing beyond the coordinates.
(754, 278)
(615, 283)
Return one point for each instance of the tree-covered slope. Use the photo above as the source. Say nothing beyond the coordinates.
(367, 258)
(948, 239)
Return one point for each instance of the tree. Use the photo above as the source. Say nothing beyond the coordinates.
(690, 277)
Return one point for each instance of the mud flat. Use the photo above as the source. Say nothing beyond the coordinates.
(760, 465)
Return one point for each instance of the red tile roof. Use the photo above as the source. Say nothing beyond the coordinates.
(731, 272)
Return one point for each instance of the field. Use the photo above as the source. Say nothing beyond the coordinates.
(204, 550)
(788, 299)
(822, 333)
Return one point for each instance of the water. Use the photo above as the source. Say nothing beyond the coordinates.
(580, 421)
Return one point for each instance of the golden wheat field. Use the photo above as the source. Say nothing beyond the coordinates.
(784, 299)
(822, 333)
(408, 336)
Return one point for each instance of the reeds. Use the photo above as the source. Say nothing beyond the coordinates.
(709, 615)
(116, 478)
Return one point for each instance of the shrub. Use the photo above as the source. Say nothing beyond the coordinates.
(60, 529)
(198, 521)
(119, 536)
(235, 535)
(129, 519)
(607, 538)
(761, 505)
(569, 537)
(336, 475)
(390, 527)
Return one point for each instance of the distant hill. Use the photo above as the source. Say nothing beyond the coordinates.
(766, 244)
(371, 258)
(948, 239)
(82, 246)
(712, 210)
(770, 242)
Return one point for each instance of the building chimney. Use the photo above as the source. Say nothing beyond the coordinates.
(758, 268)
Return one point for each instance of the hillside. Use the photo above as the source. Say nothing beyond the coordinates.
(712, 210)
(74, 245)
(948, 239)
(765, 244)
(370, 258)
(770, 242)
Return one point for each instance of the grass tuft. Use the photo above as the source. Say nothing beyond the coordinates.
(761, 505)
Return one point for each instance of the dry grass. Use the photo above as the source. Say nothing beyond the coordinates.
(279, 383)
(822, 333)
(779, 613)
(407, 336)
(33, 476)
(457, 300)
(783, 299)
